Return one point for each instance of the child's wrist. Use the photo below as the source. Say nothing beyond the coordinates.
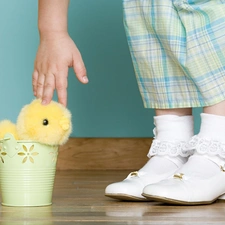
(52, 34)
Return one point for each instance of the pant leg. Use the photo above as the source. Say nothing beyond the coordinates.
(169, 71)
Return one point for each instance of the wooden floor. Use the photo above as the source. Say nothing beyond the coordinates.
(79, 199)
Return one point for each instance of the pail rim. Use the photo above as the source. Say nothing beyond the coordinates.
(9, 136)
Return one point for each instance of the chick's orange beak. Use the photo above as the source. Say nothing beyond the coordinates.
(64, 123)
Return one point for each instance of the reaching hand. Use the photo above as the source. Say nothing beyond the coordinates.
(56, 53)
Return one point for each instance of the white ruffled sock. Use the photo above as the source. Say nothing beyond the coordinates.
(212, 129)
(174, 128)
(170, 128)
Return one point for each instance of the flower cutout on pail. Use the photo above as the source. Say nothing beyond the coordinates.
(28, 154)
(2, 154)
(54, 156)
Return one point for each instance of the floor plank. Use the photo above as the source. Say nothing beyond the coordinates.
(79, 199)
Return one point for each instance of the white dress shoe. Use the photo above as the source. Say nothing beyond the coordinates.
(167, 153)
(200, 181)
(156, 169)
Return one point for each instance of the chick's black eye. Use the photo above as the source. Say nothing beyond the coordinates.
(45, 122)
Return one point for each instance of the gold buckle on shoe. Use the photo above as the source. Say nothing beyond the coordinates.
(133, 174)
(178, 176)
(222, 168)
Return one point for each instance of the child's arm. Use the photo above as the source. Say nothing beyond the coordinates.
(56, 53)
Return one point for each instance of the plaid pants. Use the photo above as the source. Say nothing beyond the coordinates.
(178, 51)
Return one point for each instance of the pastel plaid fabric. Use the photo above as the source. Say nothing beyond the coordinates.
(178, 51)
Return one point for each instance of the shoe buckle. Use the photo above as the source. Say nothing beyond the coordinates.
(178, 176)
(222, 168)
(133, 174)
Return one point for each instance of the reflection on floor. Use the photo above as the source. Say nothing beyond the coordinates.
(79, 199)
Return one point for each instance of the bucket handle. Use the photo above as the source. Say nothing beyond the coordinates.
(9, 144)
(4, 139)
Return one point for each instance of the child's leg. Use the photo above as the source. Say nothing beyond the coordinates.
(218, 109)
(173, 129)
(202, 179)
(178, 112)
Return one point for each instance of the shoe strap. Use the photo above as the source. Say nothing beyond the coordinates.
(220, 162)
(178, 160)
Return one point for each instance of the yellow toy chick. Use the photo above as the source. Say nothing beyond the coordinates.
(6, 126)
(48, 124)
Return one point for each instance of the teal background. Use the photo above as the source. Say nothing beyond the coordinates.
(110, 105)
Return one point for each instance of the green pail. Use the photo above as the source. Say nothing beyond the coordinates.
(27, 172)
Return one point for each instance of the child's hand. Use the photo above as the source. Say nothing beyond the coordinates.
(56, 53)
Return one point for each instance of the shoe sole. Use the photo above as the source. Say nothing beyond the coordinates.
(125, 197)
(176, 202)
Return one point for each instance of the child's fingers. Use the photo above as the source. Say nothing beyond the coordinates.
(48, 90)
(61, 87)
(34, 82)
(40, 85)
(79, 69)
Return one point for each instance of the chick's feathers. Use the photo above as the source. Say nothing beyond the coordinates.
(48, 124)
(6, 126)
